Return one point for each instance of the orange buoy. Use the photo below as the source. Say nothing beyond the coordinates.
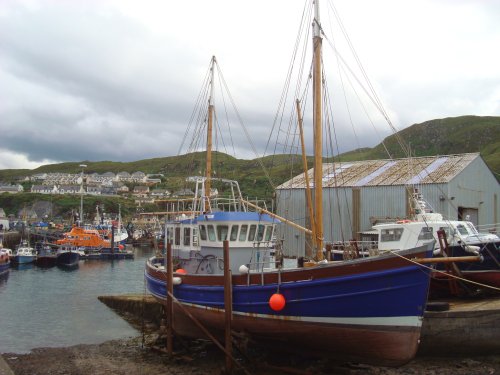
(181, 270)
(277, 302)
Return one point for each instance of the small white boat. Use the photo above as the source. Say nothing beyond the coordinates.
(24, 254)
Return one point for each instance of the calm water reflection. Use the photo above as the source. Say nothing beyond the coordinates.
(56, 307)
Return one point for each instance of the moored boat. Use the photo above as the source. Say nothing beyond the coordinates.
(46, 256)
(462, 240)
(366, 309)
(24, 254)
(83, 238)
(4, 263)
(67, 256)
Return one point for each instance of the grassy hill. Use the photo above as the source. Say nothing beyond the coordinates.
(435, 137)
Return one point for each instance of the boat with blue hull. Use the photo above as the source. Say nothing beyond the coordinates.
(24, 254)
(367, 309)
(67, 256)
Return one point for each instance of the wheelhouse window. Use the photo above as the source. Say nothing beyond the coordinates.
(260, 233)
(234, 233)
(203, 233)
(195, 237)
(177, 238)
(211, 232)
(222, 231)
(393, 234)
(243, 232)
(462, 230)
(426, 234)
(187, 236)
(269, 233)
(251, 232)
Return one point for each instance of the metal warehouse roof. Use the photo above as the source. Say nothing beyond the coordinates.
(416, 170)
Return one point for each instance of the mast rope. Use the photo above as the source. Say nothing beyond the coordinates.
(445, 273)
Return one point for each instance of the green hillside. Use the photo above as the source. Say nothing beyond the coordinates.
(435, 137)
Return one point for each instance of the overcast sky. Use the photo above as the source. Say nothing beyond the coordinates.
(117, 80)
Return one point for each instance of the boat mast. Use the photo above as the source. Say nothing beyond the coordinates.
(308, 185)
(209, 137)
(318, 139)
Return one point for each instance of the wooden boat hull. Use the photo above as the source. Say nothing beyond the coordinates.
(382, 345)
(368, 310)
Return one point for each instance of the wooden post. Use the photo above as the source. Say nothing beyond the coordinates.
(450, 267)
(328, 252)
(170, 291)
(228, 306)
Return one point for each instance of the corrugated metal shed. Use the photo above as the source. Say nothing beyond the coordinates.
(408, 171)
(358, 194)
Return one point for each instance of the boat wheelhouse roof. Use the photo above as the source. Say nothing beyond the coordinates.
(236, 216)
(415, 170)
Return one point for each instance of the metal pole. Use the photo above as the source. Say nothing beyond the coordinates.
(228, 306)
(170, 291)
(81, 194)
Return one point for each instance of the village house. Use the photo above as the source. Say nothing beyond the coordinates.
(13, 189)
(94, 190)
(69, 189)
(160, 193)
(141, 191)
(44, 189)
(138, 176)
(124, 176)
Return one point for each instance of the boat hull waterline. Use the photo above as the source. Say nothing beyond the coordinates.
(369, 311)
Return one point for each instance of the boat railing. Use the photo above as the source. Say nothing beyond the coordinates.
(355, 249)
(489, 228)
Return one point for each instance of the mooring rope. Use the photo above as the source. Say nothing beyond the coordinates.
(445, 273)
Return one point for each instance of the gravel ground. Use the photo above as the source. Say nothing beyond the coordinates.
(128, 356)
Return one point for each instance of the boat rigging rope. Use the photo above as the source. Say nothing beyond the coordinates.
(445, 273)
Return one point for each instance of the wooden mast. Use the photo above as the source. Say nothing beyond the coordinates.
(209, 138)
(308, 185)
(318, 139)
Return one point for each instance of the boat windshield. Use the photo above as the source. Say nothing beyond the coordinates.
(462, 230)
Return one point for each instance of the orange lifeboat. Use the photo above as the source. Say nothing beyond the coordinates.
(80, 237)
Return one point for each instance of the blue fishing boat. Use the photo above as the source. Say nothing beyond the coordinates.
(67, 256)
(366, 309)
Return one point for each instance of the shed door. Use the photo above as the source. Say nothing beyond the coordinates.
(468, 214)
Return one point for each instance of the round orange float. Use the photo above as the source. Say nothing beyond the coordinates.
(277, 302)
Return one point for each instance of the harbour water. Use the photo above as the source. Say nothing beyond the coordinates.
(55, 307)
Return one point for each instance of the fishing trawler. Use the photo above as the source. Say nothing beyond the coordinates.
(365, 309)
